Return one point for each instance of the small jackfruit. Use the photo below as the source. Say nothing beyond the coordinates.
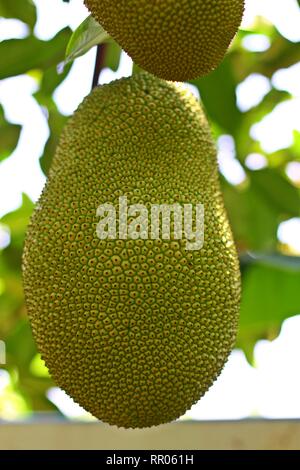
(176, 40)
(135, 329)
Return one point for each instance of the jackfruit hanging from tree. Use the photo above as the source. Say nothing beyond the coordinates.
(175, 40)
(134, 330)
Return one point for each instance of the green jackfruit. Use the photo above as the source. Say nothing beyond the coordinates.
(135, 330)
(176, 40)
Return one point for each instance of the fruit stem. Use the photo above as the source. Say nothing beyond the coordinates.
(99, 63)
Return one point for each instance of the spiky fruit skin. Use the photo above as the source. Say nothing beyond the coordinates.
(176, 40)
(135, 331)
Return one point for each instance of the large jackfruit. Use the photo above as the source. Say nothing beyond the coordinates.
(174, 39)
(135, 330)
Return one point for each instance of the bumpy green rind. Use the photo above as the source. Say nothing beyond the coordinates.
(135, 331)
(176, 40)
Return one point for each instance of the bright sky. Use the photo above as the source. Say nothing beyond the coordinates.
(273, 388)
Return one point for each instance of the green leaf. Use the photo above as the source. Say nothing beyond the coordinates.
(282, 53)
(23, 10)
(245, 146)
(218, 94)
(256, 210)
(270, 295)
(18, 56)
(38, 368)
(17, 220)
(12, 309)
(9, 136)
(277, 191)
(254, 222)
(88, 34)
(11, 296)
(112, 56)
(21, 352)
(50, 81)
(20, 345)
(56, 122)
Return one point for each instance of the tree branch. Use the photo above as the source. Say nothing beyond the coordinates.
(99, 63)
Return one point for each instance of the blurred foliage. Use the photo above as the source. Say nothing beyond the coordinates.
(23, 10)
(21, 55)
(256, 207)
(9, 136)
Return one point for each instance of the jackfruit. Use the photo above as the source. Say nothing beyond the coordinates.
(135, 329)
(176, 40)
